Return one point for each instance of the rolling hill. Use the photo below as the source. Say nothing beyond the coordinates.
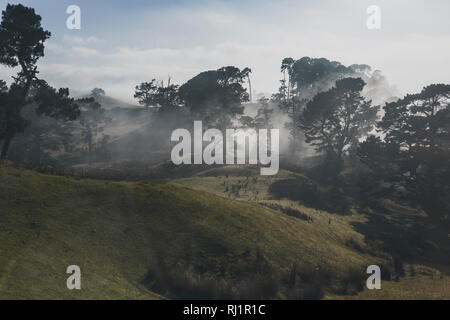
(122, 233)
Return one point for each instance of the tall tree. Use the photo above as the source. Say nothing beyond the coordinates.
(155, 95)
(262, 119)
(216, 96)
(3, 101)
(310, 75)
(415, 122)
(49, 119)
(21, 44)
(336, 119)
(264, 114)
(302, 80)
(417, 129)
(246, 72)
(286, 67)
(54, 112)
(93, 121)
(97, 92)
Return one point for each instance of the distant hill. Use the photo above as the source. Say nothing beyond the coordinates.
(108, 102)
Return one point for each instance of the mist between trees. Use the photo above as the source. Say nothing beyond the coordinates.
(328, 114)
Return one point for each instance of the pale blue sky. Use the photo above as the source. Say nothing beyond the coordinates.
(122, 43)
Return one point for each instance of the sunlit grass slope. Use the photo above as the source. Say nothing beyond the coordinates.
(422, 283)
(115, 232)
(337, 231)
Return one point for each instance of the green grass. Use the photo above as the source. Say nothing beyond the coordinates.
(325, 231)
(398, 227)
(115, 231)
(426, 284)
(48, 223)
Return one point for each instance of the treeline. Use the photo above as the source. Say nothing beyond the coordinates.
(400, 149)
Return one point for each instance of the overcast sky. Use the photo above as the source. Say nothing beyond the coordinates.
(123, 43)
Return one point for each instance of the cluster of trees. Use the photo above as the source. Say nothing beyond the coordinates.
(216, 97)
(334, 120)
(304, 78)
(406, 152)
(31, 104)
(412, 153)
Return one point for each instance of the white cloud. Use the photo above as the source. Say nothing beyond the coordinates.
(80, 41)
(411, 48)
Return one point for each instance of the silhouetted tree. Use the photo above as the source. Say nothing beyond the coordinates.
(246, 72)
(53, 112)
(93, 121)
(335, 119)
(152, 94)
(3, 101)
(315, 75)
(216, 96)
(302, 80)
(262, 119)
(97, 92)
(21, 44)
(286, 66)
(417, 133)
(49, 118)
(264, 114)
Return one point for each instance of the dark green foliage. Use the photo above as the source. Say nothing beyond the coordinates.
(414, 156)
(248, 276)
(311, 195)
(22, 38)
(49, 125)
(334, 120)
(307, 71)
(55, 103)
(216, 96)
(21, 44)
(93, 120)
(3, 101)
(244, 276)
(152, 94)
(11, 117)
(97, 92)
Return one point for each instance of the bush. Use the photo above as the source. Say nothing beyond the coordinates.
(250, 277)
(246, 277)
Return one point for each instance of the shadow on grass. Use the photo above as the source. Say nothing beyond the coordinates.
(311, 195)
(407, 238)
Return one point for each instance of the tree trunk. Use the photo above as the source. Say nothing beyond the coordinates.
(38, 147)
(288, 86)
(249, 88)
(5, 148)
(30, 76)
(90, 151)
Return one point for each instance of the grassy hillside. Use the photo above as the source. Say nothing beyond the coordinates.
(393, 229)
(124, 235)
(428, 285)
(116, 231)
